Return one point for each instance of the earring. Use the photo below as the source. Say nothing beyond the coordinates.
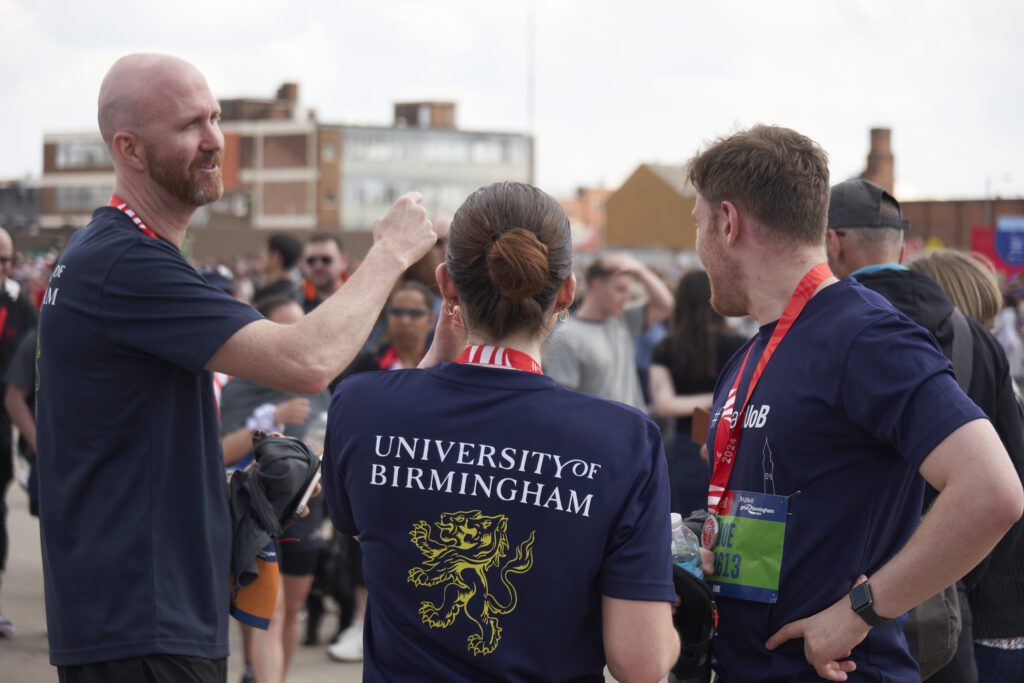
(563, 315)
(448, 308)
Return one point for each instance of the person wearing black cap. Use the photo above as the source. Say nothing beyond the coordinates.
(819, 553)
(865, 241)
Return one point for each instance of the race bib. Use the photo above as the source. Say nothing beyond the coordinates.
(748, 548)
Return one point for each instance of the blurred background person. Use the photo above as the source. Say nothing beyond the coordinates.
(326, 269)
(686, 364)
(595, 352)
(995, 590)
(17, 317)
(277, 264)
(303, 417)
(410, 319)
(968, 282)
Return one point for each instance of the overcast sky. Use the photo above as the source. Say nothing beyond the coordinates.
(617, 83)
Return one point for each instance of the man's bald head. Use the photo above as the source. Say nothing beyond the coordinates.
(135, 85)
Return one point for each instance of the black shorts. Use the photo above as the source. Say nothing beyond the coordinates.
(297, 561)
(148, 669)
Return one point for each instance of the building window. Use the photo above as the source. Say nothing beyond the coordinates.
(83, 155)
(330, 199)
(81, 198)
(329, 152)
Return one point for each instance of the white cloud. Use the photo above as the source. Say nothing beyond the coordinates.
(617, 84)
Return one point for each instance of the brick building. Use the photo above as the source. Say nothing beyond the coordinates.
(286, 171)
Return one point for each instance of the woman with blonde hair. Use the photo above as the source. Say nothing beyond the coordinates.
(967, 278)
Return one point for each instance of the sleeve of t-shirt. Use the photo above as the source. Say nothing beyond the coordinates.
(236, 405)
(635, 317)
(561, 362)
(21, 372)
(638, 561)
(154, 302)
(339, 508)
(661, 355)
(899, 387)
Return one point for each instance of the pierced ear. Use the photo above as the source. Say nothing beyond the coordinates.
(445, 284)
(566, 293)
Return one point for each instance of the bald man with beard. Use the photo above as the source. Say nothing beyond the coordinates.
(17, 317)
(135, 526)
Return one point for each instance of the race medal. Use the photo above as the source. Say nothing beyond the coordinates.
(710, 531)
(748, 546)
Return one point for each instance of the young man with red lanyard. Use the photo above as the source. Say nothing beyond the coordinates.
(133, 508)
(822, 428)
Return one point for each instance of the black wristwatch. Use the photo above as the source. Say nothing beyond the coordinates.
(863, 604)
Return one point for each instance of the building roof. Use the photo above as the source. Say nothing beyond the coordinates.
(673, 175)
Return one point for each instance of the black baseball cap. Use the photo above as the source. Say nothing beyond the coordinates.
(858, 204)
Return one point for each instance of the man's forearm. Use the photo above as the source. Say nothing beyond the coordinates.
(955, 535)
(332, 334)
(978, 501)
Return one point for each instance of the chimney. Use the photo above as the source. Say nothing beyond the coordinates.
(881, 164)
(289, 92)
(425, 114)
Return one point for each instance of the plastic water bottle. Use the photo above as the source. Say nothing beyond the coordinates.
(685, 547)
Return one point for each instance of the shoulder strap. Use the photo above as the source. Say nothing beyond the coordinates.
(963, 350)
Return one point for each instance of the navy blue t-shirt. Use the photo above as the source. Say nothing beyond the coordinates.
(135, 527)
(494, 509)
(854, 399)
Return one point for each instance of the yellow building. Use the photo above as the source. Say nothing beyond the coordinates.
(652, 209)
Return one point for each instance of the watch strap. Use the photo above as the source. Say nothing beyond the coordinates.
(862, 602)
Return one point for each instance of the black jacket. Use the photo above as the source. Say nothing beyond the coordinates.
(996, 590)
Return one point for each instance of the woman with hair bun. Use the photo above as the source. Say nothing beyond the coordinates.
(512, 530)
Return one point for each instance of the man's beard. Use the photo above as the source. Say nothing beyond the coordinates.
(729, 295)
(192, 186)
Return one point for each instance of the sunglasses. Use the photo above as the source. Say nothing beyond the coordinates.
(322, 260)
(414, 313)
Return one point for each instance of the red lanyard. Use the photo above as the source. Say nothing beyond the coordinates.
(500, 356)
(122, 206)
(727, 439)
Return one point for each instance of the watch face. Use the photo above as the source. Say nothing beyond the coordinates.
(860, 597)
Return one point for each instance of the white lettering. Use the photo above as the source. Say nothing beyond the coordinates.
(486, 453)
(378, 476)
(510, 497)
(407, 447)
(50, 296)
(479, 482)
(508, 457)
(556, 497)
(391, 440)
(575, 506)
(536, 494)
(411, 474)
(439, 484)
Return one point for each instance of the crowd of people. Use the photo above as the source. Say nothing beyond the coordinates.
(505, 432)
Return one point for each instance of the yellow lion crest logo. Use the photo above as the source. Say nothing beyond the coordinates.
(468, 544)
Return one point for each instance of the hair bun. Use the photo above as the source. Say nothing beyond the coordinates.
(518, 264)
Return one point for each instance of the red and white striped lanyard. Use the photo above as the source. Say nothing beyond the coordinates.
(501, 357)
(122, 206)
(727, 435)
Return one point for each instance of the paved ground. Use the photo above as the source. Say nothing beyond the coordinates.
(25, 659)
